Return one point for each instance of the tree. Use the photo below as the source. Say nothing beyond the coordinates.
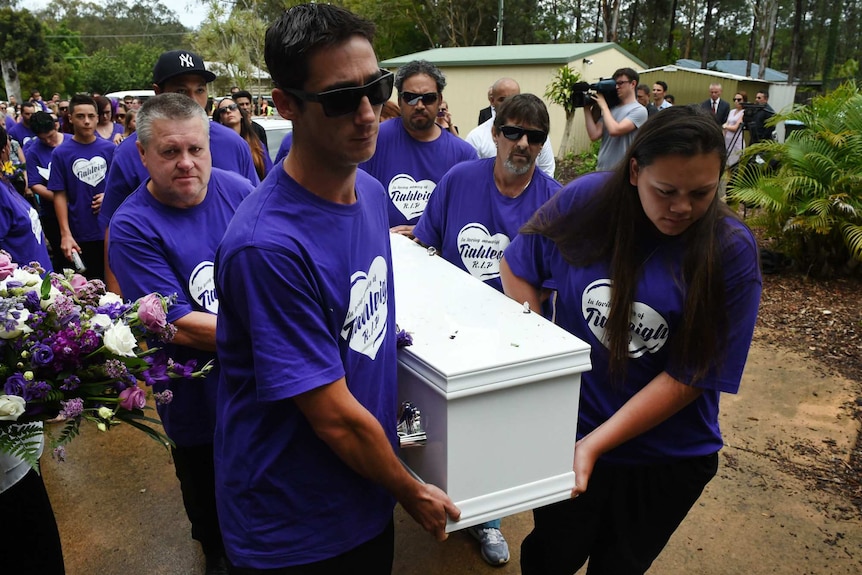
(561, 91)
(128, 67)
(810, 186)
(22, 43)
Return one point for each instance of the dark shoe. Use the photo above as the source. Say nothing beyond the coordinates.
(216, 565)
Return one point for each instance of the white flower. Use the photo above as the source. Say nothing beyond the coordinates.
(109, 298)
(120, 340)
(28, 279)
(20, 325)
(102, 426)
(11, 407)
(101, 321)
(52, 296)
(106, 412)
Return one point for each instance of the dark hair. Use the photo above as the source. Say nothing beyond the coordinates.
(247, 133)
(82, 99)
(764, 92)
(628, 73)
(101, 102)
(42, 123)
(410, 69)
(662, 84)
(610, 226)
(642, 88)
(670, 98)
(744, 95)
(242, 94)
(27, 104)
(526, 108)
(294, 38)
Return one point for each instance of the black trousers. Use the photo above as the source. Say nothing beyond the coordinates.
(621, 523)
(29, 530)
(374, 557)
(93, 255)
(195, 469)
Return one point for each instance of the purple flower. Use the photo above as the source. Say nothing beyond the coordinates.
(113, 310)
(89, 341)
(165, 397)
(185, 369)
(37, 390)
(32, 301)
(158, 371)
(72, 408)
(7, 266)
(403, 339)
(16, 385)
(151, 312)
(71, 383)
(42, 355)
(133, 398)
(115, 369)
(60, 453)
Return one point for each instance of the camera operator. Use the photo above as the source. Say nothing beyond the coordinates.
(758, 128)
(616, 126)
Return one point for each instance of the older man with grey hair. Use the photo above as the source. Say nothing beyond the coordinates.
(163, 239)
(413, 152)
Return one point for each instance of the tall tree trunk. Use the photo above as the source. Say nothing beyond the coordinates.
(633, 23)
(796, 40)
(10, 79)
(615, 20)
(670, 39)
(769, 18)
(707, 30)
(750, 59)
(831, 46)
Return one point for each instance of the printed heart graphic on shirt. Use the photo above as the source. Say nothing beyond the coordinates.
(91, 171)
(409, 196)
(649, 331)
(45, 172)
(364, 328)
(480, 251)
(202, 286)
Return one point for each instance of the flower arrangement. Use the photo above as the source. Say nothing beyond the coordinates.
(73, 351)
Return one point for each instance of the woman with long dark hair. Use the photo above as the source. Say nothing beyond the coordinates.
(232, 116)
(661, 278)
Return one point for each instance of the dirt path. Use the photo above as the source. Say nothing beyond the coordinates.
(773, 508)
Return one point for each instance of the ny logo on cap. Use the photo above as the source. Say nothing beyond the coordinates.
(186, 61)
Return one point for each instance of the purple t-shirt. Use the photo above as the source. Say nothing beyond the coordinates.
(80, 170)
(21, 133)
(159, 248)
(284, 147)
(410, 170)
(38, 157)
(657, 314)
(471, 222)
(117, 129)
(20, 229)
(229, 152)
(320, 307)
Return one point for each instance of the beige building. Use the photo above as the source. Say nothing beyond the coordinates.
(470, 72)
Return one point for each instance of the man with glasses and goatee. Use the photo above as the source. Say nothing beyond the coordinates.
(414, 152)
(306, 472)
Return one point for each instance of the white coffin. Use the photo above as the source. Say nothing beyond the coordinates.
(497, 388)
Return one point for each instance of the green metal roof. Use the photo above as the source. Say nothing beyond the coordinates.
(508, 55)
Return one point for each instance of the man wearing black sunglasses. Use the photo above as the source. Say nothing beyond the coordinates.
(414, 152)
(306, 474)
(478, 209)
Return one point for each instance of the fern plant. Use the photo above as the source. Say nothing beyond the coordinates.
(809, 188)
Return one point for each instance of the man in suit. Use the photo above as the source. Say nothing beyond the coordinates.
(486, 114)
(718, 107)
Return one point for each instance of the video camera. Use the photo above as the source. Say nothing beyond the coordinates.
(750, 110)
(582, 91)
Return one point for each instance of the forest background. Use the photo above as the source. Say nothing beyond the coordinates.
(79, 46)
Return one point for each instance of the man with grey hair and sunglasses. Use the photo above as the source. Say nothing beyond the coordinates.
(413, 152)
(163, 239)
(306, 472)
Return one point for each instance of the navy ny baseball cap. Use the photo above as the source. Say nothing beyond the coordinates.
(177, 63)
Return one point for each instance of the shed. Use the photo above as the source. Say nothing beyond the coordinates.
(470, 71)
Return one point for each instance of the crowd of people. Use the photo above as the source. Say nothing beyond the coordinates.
(286, 452)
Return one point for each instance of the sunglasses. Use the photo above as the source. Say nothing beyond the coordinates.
(64, 108)
(412, 99)
(515, 133)
(737, 99)
(343, 101)
(230, 107)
